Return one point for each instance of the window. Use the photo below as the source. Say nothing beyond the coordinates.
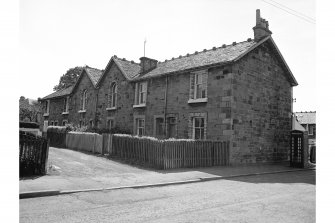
(140, 94)
(56, 123)
(81, 123)
(311, 129)
(66, 105)
(83, 101)
(64, 122)
(47, 108)
(91, 124)
(198, 128)
(198, 87)
(110, 123)
(139, 126)
(197, 125)
(45, 126)
(51, 123)
(112, 96)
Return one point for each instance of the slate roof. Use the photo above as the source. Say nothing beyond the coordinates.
(306, 117)
(198, 59)
(94, 74)
(130, 69)
(60, 93)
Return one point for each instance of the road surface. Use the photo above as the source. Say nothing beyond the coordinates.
(285, 197)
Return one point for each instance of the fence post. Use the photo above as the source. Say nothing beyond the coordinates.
(46, 157)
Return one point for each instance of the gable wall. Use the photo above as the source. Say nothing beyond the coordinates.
(261, 109)
(74, 116)
(123, 116)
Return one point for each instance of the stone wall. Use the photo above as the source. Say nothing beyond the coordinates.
(75, 102)
(214, 110)
(123, 115)
(56, 110)
(261, 109)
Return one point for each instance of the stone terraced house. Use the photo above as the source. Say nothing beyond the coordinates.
(240, 92)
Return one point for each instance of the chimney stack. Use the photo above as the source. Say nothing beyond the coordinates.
(261, 30)
(147, 64)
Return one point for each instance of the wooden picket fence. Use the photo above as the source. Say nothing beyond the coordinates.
(167, 154)
(33, 154)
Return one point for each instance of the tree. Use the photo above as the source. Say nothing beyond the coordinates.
(69, 78)
(29, 111)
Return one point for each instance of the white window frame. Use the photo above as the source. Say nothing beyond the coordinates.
(83, 101)
(195, 77)
(91, 123)
(110, 123)
(66, 103)
(141, 92)
(47, 108)
(45, 125)
(112, 97)
(200, 128)
(137, 128)
(64, 122)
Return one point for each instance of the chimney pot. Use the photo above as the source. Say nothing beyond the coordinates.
(261, 30)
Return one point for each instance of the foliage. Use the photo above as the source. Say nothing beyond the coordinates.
(115, 130)
(69, 78)
(29, 111)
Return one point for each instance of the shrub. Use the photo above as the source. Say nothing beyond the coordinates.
(115, 130)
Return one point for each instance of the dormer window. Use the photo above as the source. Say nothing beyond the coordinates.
(112, 96)
(140, 94)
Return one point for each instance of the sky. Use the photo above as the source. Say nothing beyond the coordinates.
(57, 35)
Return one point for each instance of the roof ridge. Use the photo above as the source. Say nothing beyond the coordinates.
(124, 59)
(206, 50)
(92, 68)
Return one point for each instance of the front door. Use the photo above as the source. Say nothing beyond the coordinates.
(297, 154)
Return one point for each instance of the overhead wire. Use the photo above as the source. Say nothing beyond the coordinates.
(306, 16)
(307, 20)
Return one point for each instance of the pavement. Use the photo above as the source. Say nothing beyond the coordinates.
(73, 171)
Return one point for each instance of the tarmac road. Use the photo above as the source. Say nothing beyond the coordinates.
(282, 197)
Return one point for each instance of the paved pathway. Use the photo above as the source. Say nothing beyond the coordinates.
(73, 170)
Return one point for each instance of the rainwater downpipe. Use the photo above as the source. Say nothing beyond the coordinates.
(165, 107)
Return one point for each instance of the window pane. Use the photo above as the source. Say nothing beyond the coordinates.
(197, 133)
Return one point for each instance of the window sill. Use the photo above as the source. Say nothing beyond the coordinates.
(46, 114)
(198, 100)
(139, 106)
(81, 111)
(111, 109)
(65, 113)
